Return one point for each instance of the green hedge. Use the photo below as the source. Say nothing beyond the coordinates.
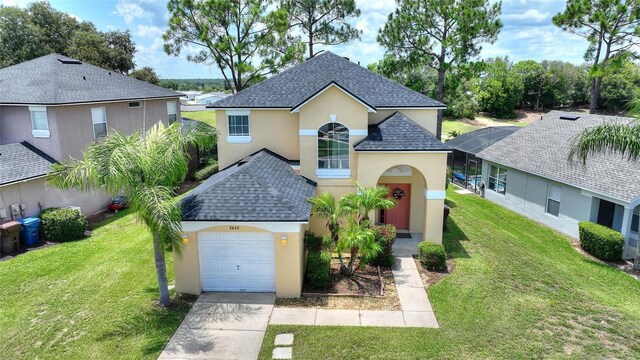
(319, 268)
(600, 241)
(432, 256)
(62, 224)
(206, 172)
(385, 237)
(315, 242)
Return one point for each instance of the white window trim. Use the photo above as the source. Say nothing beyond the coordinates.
(175, 106)
(39, 133)
(633, 213)
(93, 124)
(333, 173)
(496, 179)
(239, 139)
(546, 210)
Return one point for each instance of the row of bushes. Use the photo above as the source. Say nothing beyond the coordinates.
(601, 241)
(62, 224)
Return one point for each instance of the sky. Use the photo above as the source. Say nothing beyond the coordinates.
(528, 32)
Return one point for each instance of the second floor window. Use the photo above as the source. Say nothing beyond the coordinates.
(172, 112)
(238, 125)
(333, 146)
(99, 120)
(498, 179)
(39, 121)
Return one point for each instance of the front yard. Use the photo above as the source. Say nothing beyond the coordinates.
(94, 298)
(519, 290)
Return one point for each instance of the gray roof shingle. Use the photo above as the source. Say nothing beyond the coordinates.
(48, 81)
(299, 83)
(261, 187)
(399, 133)
(542, 148)
(22, 161)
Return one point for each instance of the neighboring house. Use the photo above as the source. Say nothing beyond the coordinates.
(320, 126)
(210, 98)
(56, 106)
(189, 95)
(529, 172)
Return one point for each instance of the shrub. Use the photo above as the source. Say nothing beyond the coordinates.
(432, 256)
(206, 172)
(319, 268)
(385, 236)
(600, 241)
(62, 224)
(315, 242)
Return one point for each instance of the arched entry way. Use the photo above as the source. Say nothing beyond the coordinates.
(405, 184)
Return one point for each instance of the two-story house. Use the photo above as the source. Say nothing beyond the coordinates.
(51, 108)
(320, 126)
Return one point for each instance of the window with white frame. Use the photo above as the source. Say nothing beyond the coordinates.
(635, 219)
(99, 120)
(172, 112)
(39, 121)
(498, 179)
(238, 125)
(333, 147)
(553, 200)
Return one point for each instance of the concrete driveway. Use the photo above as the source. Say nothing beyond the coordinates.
(222, 326)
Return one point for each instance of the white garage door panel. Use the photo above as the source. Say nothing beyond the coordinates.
(237, 261)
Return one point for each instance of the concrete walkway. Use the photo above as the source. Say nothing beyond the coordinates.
(415, 305)
(222, 326)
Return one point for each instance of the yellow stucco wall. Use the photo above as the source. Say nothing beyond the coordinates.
(427, 118)
(276, 130)
(416, 205)
(289, 261)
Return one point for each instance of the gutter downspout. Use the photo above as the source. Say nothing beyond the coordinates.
(144, 116)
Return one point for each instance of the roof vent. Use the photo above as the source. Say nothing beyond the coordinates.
(569, 117)
(84, 78)
(70, 61)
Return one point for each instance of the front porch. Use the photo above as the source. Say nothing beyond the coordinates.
(622, 218)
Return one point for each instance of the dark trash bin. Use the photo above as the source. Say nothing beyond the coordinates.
(9, 238)
(446, 217)
(30, 233)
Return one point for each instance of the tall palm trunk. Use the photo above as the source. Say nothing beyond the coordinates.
(161, 272)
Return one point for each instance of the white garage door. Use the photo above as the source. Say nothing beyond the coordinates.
(237, 261)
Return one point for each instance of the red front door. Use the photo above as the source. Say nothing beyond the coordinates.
(399, 215)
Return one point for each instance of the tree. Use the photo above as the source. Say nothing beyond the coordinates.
(533, 76)
(326, 207)
(323, 22)
(365, 200)
(501, 89)
(129, 164)
(610, 26)
(247, 39)
(146, 74)
(440, 34)
(358, 240)
(608, 138)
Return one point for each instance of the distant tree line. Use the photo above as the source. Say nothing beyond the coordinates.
(204, 85)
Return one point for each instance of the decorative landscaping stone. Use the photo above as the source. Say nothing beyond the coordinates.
(284, 339)
(282, 353)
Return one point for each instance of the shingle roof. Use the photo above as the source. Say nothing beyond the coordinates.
(48, 81)
(22, 161)
(542, 149)
(295, 85)
(399, 133)
(261, 187)
(475, 141)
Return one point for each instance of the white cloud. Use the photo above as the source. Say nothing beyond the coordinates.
(130, 11)
(531, 14)
(148, 31)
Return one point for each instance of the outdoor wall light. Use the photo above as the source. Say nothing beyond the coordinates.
(283, 240)
(185, 239)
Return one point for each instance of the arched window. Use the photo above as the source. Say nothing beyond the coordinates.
(333, 146)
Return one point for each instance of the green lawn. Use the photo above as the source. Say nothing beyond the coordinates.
(206, 116)
(519, 290)
(95, 298)
(456, 125)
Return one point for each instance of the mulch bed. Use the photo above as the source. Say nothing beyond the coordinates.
(364, 282)
(430, 277)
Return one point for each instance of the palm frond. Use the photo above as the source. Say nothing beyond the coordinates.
(607, 138)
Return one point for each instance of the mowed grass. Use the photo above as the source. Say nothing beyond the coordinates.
(206, 116)
(90, 299)
(519, 291)
(457, 125)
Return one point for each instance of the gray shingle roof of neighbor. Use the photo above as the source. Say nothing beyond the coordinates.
(293, 86)
(22, 161)
(542, 148)
(261, 187)
(55, 80)
(399, 133)
(475, 141)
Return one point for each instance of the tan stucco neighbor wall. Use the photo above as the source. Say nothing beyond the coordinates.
(289, 260)
(432, 165)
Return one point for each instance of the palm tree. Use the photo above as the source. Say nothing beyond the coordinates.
(609, 137)
(358, 240)
(366, 200)
(326, 207)
(145, 167)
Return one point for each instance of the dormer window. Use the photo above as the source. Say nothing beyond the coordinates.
(333, 151)
(238, 126)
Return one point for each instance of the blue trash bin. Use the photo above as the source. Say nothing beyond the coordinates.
(30, 232)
